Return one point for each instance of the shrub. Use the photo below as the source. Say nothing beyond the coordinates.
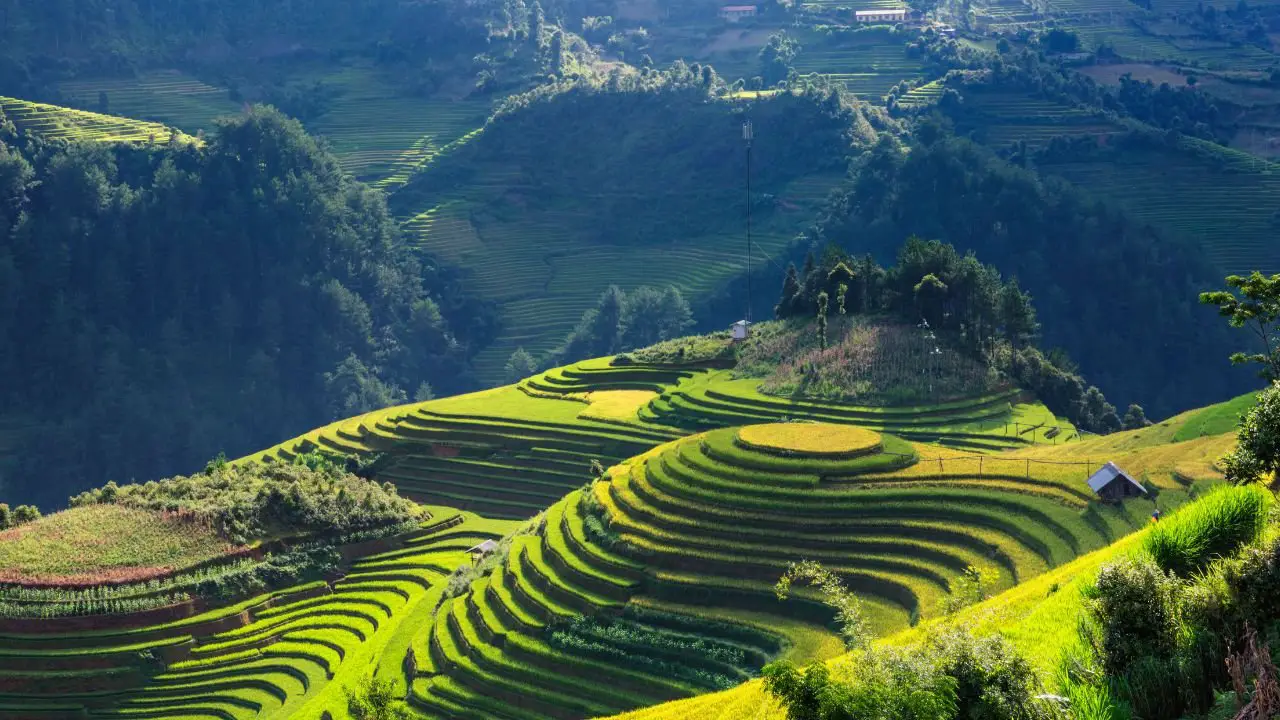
(374, 699)
(890, 684)
(1131, 613)
(855, 629)
(952, 675)
(1095, 702)
(1216, 526)
(20, 515)
(992, 681)
(314, 497)
(971, 587)
(1258, 453)
(595, 521)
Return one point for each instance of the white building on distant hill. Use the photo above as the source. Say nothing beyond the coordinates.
(734, 13)
(873, 17)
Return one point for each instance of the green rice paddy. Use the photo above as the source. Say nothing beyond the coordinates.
(675, 599)
(60, 123)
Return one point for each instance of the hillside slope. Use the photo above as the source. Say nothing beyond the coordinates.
(657, 576)
(1038, 616)
(571, 189)
(672, 522)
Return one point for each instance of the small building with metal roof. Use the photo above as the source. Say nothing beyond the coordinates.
(1112, 483)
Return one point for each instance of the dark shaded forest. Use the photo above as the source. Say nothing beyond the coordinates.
(161, 304)
(655, 155)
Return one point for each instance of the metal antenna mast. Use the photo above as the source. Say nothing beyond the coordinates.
(748, 136)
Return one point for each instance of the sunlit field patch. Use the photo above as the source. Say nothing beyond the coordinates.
(809, 438)
(616, 404)
(104, 544)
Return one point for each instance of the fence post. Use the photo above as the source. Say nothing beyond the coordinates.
(980, 458)
(939, 467)
(1028, 468)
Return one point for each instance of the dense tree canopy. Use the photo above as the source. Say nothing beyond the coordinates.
(1119, 297)
(158, 305)
(965, 302)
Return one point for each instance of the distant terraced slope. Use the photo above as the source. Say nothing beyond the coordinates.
(867, 63)
(379, 132)
(1214, 197)
(545, 269)
(167, 96)
(62, 123)
(1221, 199)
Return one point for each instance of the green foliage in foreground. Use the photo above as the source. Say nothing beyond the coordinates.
(950, 676)
(1160, 645)
(257, 501)
(1258, 452)
(854, 626)
(1216, 526)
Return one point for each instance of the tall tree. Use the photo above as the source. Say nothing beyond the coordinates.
(1257, 454)
(777, 57)
(790, 289)
(1017, 315)
(1253, 302)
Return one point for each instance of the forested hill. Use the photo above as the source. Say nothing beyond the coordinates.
(1115, 293)
(159, 304)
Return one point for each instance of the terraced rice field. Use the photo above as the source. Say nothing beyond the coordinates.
(381, 135)
(60, 123)
(1037, 616)
(1226, 205)
(1010, 15)
(283, 654)
(1000, 119)
(852, 5)
(1111, 8)
(483, 452)
(650, 583)
(867, 68)
(166, 96)
(550, 266)
(1132, 43)
(922, 96)
(712, 520)
(703, 398)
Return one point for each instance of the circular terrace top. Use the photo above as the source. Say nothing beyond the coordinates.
(818, 439)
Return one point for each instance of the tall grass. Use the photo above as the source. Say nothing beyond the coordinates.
(1216, 526)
